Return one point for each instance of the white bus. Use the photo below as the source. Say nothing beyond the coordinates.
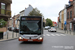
(31, 28)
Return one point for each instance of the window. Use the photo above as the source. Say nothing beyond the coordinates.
(67, 15)
(70, 14)
(2, 5)
(2, 8)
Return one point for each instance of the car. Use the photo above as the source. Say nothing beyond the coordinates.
(52, 29)
(16, 29)
(10, 28)
(47, 27)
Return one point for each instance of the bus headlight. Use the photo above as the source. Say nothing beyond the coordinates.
(39, 38)
(20, 38)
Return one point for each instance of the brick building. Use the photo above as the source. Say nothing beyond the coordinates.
(71, 15)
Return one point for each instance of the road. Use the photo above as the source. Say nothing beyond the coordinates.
(52, 41)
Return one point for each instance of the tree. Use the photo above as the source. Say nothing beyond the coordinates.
(35, 12)
(49, 22)
(2, 23)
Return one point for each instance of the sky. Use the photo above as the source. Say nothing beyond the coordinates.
(49, 8)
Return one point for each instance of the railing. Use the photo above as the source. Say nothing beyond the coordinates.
(5, 12)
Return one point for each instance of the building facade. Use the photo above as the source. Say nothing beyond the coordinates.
(59, 20)
(22, 13)
(62, 20)
(15, 22)
(28, 10)
(71, 16)
(5, 10)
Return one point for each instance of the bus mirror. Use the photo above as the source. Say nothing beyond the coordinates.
(43, 24)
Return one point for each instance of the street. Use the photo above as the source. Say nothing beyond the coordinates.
(52, 41)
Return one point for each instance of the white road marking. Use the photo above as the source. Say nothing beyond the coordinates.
(47, 34)
(62, 34)
(58, 34)
(43, 34)
(63, 47)
(52, 34)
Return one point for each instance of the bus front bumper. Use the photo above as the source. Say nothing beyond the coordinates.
(33, 40)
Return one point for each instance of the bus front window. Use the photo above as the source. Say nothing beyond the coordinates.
(30, 27)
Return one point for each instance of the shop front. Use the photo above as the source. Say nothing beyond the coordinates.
(73, 24)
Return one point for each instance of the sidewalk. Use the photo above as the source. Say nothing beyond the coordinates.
(9, 36)
(66, 32)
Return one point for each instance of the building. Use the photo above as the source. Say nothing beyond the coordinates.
(5, 10)
(59, 22)
(28, 10)
(15, 22)
(71, 15)
(62, 18)
(54, 23)
(22, 13)
(10, 23)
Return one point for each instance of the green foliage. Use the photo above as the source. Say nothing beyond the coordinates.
(35, 12)
(49, 22)
(2, 23)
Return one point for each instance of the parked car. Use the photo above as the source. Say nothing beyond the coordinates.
(47, 27)
(10, 28)
(16, 29)
(52, 29)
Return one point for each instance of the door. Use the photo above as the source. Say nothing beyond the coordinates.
(74, 27)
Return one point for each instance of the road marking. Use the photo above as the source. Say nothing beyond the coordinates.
(62, 34)
(58, 34)
(47, 34)
(43, 34)
(52, 34)
(63, 47)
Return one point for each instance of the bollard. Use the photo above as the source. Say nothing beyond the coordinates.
(16, 34)
(70, 31)
(67, 31)
(12, 34)
(7, 35)
(64, 31)
(74, 32)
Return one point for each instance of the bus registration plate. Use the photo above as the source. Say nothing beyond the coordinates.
(30, 40)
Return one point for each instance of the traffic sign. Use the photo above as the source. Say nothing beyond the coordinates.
(65, 23)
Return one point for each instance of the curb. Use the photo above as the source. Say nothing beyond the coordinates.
(8, 40)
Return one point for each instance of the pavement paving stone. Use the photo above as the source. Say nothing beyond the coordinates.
(9, 35)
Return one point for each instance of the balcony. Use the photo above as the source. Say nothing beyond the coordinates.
(6, 1)
(4, 12)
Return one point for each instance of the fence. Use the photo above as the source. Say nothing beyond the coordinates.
(9, 35)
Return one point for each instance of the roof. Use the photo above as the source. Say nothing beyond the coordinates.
(70, 0)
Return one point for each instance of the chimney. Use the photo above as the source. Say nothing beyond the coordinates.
(70, 2)
(29, 5)
(25, 8)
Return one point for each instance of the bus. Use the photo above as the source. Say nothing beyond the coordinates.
(31, 28)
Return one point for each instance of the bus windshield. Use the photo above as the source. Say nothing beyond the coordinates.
(30, 27)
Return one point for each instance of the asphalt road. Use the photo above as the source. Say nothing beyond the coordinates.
(52, 41)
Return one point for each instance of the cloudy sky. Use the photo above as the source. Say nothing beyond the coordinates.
(49, 8)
